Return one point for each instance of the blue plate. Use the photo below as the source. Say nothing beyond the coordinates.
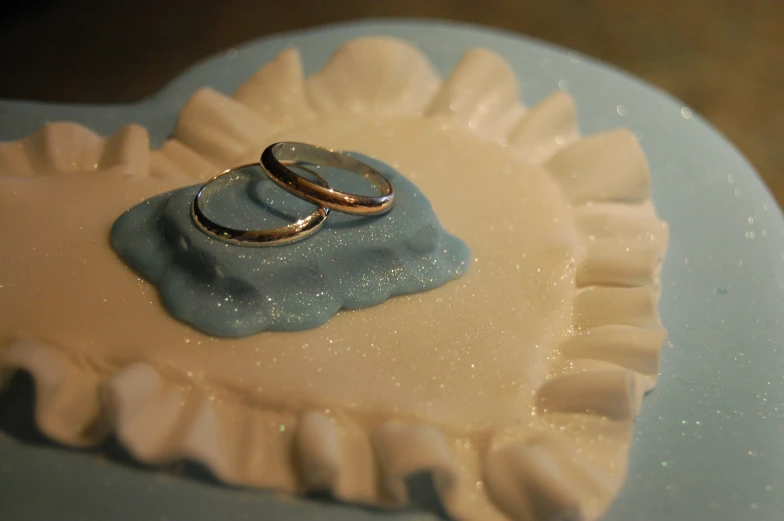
(709, 445)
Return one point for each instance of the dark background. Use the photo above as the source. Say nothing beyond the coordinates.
(724, 58)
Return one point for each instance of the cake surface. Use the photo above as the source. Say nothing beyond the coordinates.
(515, 385)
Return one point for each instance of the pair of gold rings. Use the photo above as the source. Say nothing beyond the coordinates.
(275, 162)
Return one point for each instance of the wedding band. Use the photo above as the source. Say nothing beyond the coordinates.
(276, 156)
(293, 232)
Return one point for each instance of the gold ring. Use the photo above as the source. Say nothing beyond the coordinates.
(268, 237)
(276, 156)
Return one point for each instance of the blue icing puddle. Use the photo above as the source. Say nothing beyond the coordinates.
(233, 291)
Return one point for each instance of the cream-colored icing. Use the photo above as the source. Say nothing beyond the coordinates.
(369, 360)
(485, 381)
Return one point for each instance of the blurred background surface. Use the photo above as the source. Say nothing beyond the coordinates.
(723, 58)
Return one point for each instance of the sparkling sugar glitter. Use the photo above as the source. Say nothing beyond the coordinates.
(232, 291)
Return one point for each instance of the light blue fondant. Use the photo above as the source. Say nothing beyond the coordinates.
(708, 442)
(229, 290)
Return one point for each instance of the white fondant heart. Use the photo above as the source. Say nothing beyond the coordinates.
(516, 387)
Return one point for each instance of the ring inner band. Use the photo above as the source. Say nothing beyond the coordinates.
(275, 158)
(263, 237)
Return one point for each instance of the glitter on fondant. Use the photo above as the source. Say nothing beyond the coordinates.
(231, 290)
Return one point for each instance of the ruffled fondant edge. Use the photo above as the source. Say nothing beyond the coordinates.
(64, 147)
(605, 369)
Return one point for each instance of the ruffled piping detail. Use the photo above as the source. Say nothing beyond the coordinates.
(285, 97)
(385, 76)
(482, 94)
(604, 370)
(63, 148)
(161, 421)
(613, 357)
